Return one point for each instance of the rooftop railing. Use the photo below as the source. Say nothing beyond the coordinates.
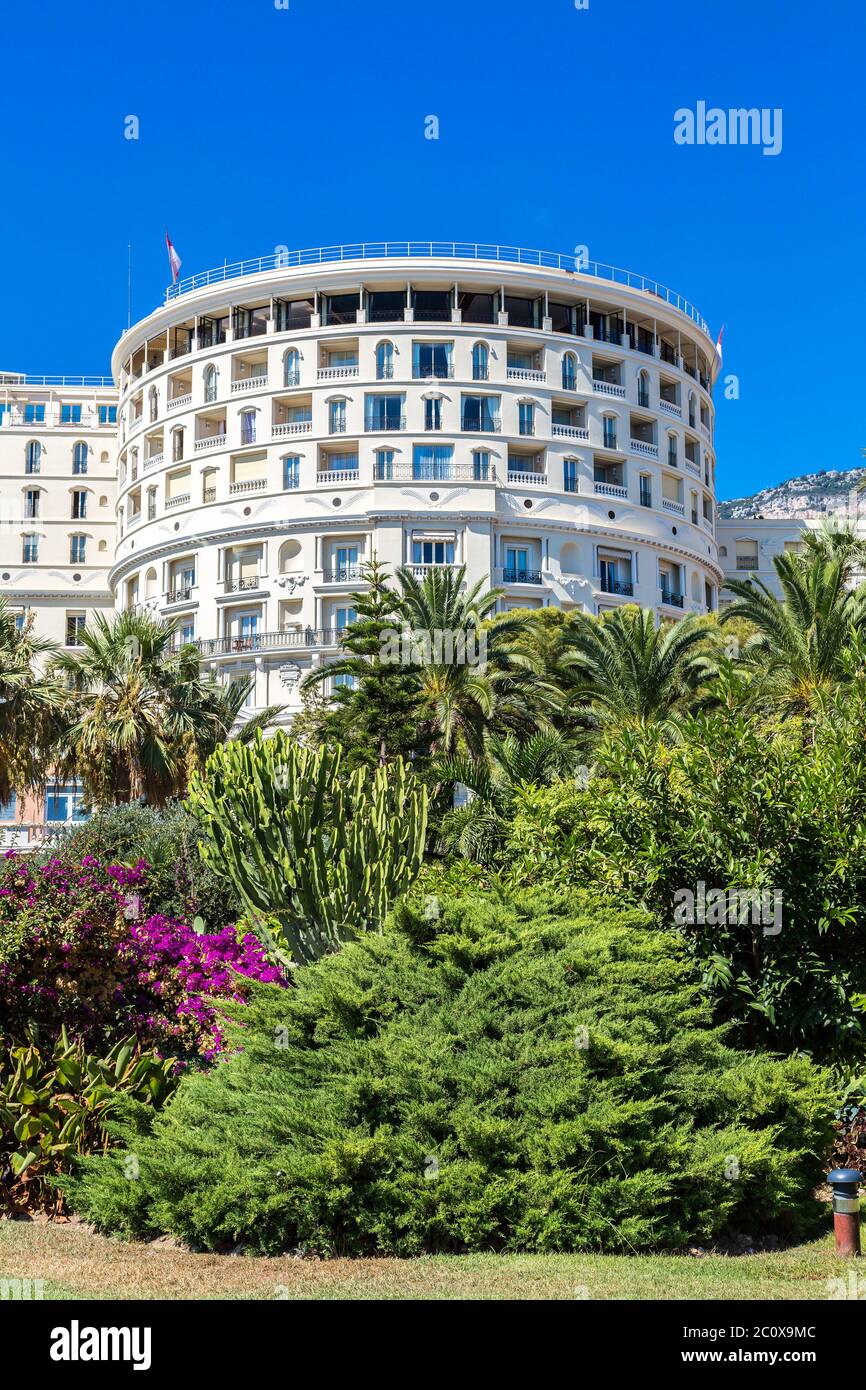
(440, 250)
(23, 379)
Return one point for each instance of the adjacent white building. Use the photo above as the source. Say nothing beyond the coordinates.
(58, 496)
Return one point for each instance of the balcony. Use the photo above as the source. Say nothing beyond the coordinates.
(433, 473)
(210, 441)
(180, 501)
(292, 427)
(327, 476)
(644, 448)
(346, 373)
(518, 477)
(670, 408)
(617, 586)
(747, 562)
(431, 373)
(341, 574)
(176, 402)
(250, 485)
(474, 424)
(608, 388)
(515, 576)
(242, 586)
(154, 460)
(693, 467)
(678, 508)
(269, 641)
(708, 522)
(247, 383)
(383, 423)
(674, 600)
(534, 374)
(570, 432)
(182, 594)
(610, 490)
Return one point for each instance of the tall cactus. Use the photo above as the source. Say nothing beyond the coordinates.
(323, 853)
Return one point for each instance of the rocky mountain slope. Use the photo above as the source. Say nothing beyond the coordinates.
(812, 494)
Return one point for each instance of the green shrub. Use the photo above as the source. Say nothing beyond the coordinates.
(179, 883)
(524, 1075)
(733, 805)
(54, 1102)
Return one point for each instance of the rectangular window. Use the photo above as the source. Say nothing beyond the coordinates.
(432, 552)
(433, 414)
(609, 432)
(79, 506)
(569, 470)
(345, 563)
(30, 550)
(75, 624)
(108, 415)
(431, 360)
(34, 414)
(9, 807)
(646, 492)
(31, 503)
(480, 414)
(70, 414)
(186, 631)
(384, 465)
(63, 803)
(432, 462)
(383, 413)
(337, 417)
(480, 465)
(292, 471)
(77, 550)
(527, 417)
(344, 617)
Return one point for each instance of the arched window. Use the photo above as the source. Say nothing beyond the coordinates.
(33, 456)
(480, 362)
(291, 368)
(79, 458)
(210, 383)
(152, 403)
(643, 389)
(248, 427)
(384, 361)
(177, 444)
(692, 409)
(569, 372)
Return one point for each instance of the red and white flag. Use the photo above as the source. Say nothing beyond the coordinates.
(719, 343)
(173, 259)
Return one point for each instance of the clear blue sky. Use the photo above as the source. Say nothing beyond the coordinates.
(305, 127)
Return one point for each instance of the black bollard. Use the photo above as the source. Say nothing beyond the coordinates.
(846, 1209)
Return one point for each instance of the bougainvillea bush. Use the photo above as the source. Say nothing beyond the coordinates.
(77, 951)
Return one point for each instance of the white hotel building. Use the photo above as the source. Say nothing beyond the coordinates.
(283, 420)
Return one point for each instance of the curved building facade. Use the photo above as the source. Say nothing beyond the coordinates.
(547, 425)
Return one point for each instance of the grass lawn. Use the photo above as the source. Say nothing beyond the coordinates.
(76, 1264)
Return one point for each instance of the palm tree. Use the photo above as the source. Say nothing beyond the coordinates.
(508, 767)
(139, 711)
(30, 704)
(835, 542)
(467, 670)
(803, 644)
(630, 672)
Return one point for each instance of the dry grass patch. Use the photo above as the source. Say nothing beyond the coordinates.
(75, 1263)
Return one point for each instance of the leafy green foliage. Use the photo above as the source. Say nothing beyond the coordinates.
(325, 854)
(54, 1102)
(532, 1075)
(733, 804)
